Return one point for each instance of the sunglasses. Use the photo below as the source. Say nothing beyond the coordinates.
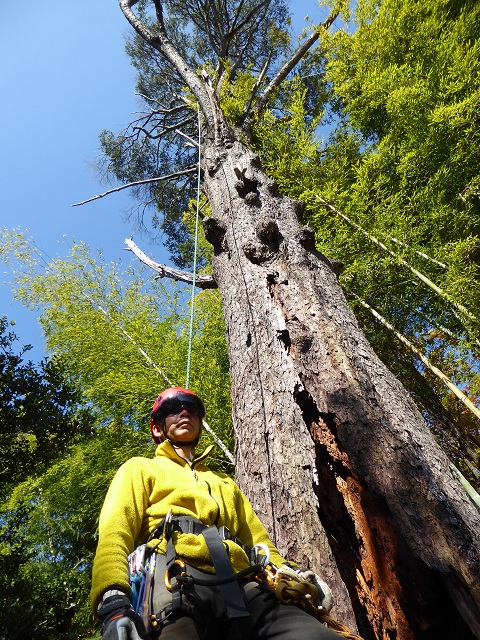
(174, 406)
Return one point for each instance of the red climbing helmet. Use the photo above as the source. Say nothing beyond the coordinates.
(171, 401)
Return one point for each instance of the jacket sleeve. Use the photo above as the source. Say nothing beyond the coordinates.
(119, 525)
(251, 531)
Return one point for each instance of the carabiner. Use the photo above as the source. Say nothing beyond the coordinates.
(258, 558)
(168, 579)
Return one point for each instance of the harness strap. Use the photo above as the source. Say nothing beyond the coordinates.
(188, 524)
(223, 569)
(224, 578)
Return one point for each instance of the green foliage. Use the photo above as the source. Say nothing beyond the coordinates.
(121, 334)
(48, 538)
(117, 334)
(288, 143)
(40, 414)
(187, 247)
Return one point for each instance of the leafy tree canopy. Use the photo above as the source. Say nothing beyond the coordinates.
(40, 411)
(122, 338)
(122, 335)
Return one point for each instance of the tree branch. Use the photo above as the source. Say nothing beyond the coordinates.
(443, 294)
(163, 132)
(162, 44)
(201, 281)
(136, 184)
(288, 66)
(460, 395)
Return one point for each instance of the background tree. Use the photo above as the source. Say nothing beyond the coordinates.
(350, 421)
(121, 342)
(40, 416)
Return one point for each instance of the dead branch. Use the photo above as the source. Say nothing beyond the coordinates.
(160, 41)
(443, 294)
(460, 395)
(163, 132)
(176, 174)
(201, 281)
(291, 63)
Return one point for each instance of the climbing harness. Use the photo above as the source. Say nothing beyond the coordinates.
(179, 577)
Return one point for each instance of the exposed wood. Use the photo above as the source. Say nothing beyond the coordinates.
(201, 280)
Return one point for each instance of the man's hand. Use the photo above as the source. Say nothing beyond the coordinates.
(119, 620)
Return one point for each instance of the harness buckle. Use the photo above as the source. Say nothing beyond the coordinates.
(168, 525)
(224, 533)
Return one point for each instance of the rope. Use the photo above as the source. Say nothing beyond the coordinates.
(303, 593)
(192, 299)
(291, 588)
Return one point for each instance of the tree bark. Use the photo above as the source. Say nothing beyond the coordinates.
(333, 454)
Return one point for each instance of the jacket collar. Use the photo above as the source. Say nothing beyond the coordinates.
(167, 450)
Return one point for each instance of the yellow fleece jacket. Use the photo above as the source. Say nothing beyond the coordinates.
(140, 496)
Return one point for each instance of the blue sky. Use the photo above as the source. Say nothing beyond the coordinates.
(65, 77)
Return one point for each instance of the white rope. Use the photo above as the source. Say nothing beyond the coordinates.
(192, 299)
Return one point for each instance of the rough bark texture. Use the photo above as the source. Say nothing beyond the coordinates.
(331, 451)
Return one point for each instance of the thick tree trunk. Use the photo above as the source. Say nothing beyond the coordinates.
(333, 454)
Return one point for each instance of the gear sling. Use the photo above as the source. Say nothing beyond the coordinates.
(179, 577)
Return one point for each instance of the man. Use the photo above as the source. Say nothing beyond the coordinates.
(203, 538)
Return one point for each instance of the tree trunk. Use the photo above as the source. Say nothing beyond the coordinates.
(333, 454)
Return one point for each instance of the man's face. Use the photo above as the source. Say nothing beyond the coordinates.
(182, 426)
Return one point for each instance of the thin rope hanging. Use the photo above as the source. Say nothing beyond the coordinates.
(192, 299)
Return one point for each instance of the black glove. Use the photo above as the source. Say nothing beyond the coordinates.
(119, 620)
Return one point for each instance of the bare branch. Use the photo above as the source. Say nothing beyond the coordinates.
(155, 136)
(136, 184)
(443, 294)
(201, 281)
(253, 93)
(162, 44)
(419, 253)
(290, 64)
(191, 141)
